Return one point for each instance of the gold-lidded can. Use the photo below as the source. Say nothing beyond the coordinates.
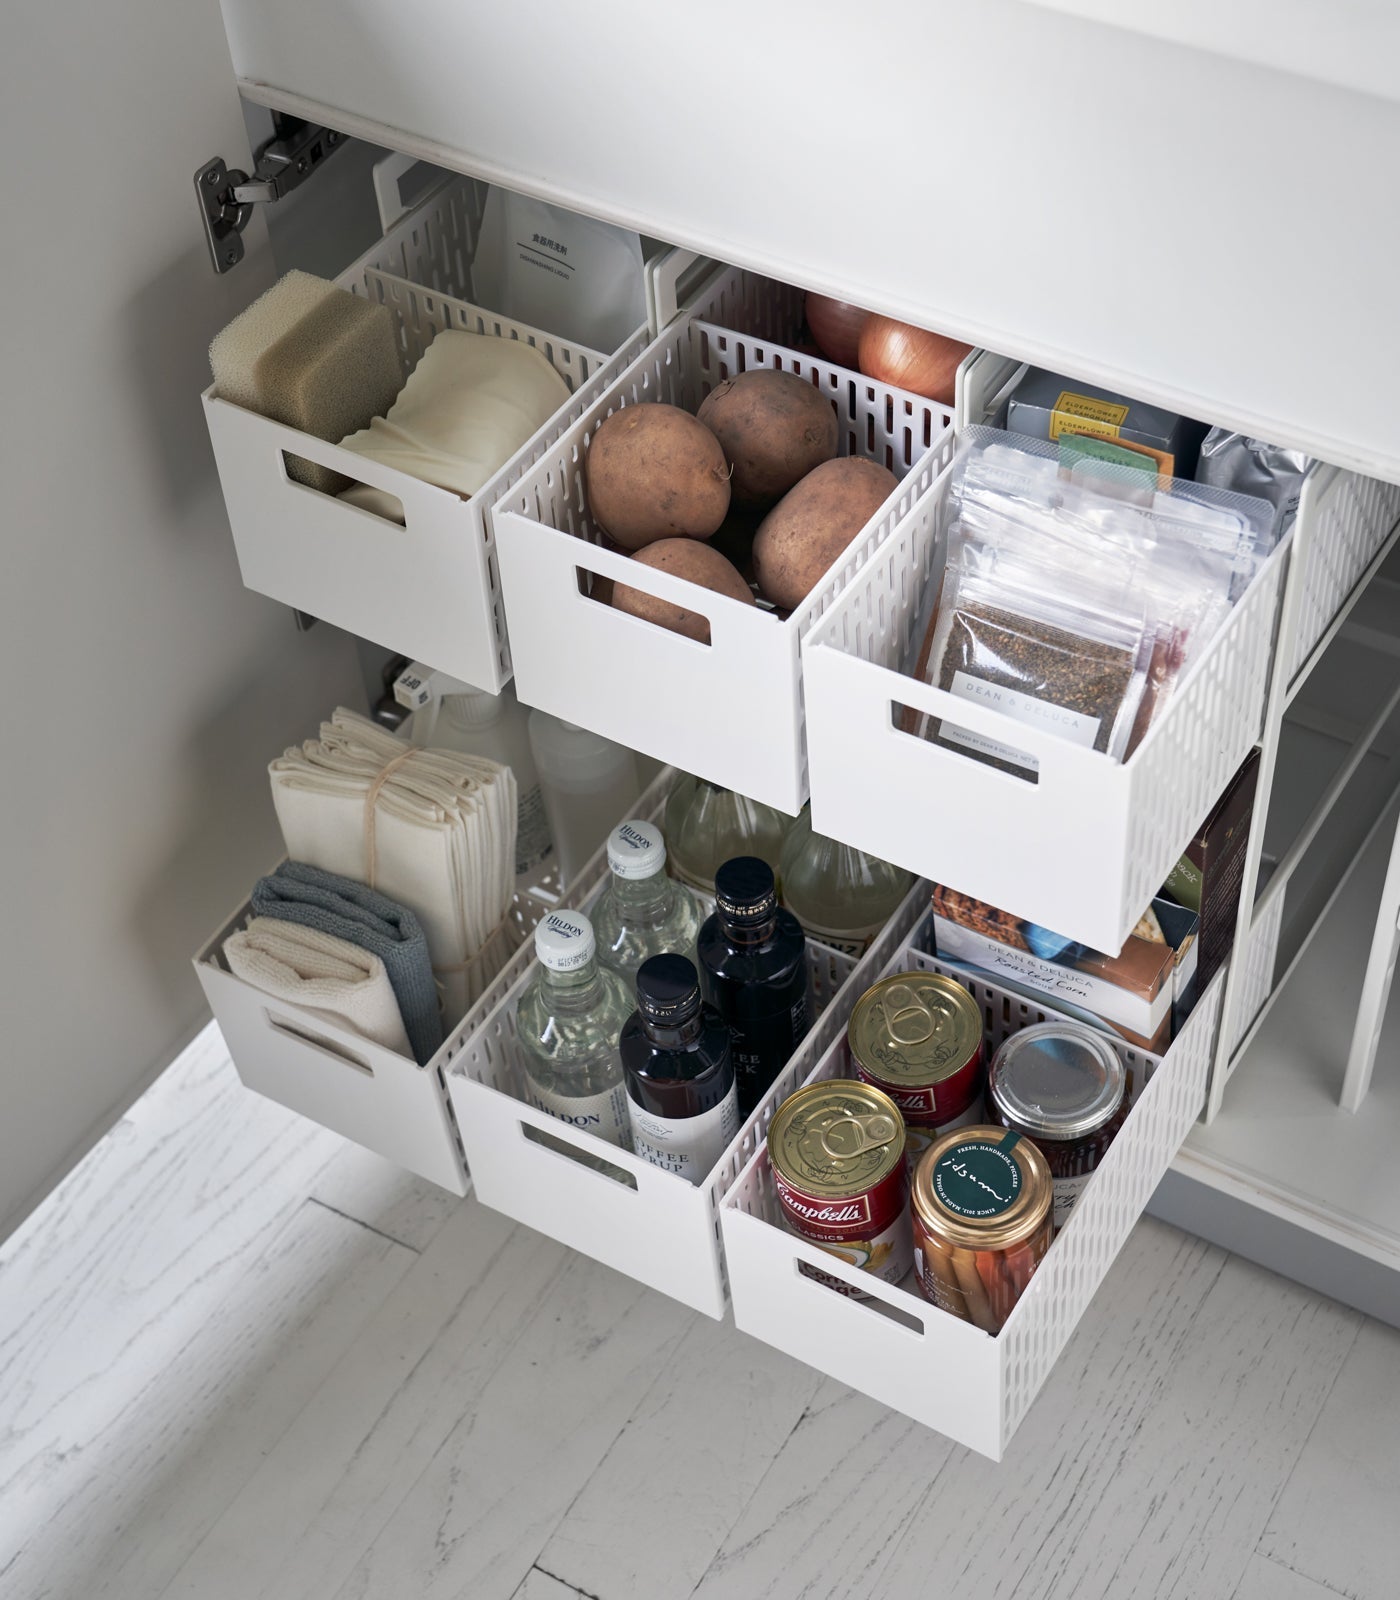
(918, 1037)
(836, 1150)
(982, 1207)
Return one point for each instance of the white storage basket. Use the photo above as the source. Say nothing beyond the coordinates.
(380, 1099)
(430, 589)
(896, 1346)
(648, 1223)
(1343, 522)
(1082, 850)
(730, 711)
(1260, 958)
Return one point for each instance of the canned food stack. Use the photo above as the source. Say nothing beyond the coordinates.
(926, 1170)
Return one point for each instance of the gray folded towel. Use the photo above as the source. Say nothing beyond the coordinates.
(353, 911)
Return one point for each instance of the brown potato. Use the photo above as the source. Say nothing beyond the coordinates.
(812, 524)
(774, 427)
(654, 472)
(685, 559)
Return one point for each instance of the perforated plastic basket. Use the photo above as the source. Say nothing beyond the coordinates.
(1343, 521)
(897, 1346)
(648, 1223)
(374, 1096)
(1259, 959)
(429, 589)
(730, 711)
(1083, 849)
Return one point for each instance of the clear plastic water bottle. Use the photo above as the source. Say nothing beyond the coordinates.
(568, 1024)
(588, 782)
(642, 912)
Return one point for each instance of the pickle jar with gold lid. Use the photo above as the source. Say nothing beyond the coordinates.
(982, 1210)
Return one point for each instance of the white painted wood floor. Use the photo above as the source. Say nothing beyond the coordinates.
(240, 1358)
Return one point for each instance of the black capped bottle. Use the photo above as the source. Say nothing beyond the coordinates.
(679, 1071)
(753, 963)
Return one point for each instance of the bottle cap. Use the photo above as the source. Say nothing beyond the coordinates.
(745, 891)
(668, 989)
(636, 850)
(564, 941)
(474, 708)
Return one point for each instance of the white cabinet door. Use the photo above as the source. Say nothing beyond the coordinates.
(144, 688)
(1209, 231)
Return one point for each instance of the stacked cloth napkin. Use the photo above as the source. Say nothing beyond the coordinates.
(309, 898)
(328, 977)
(433, 830)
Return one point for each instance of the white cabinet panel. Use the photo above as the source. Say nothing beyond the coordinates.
(1182, 225)
(1348, 42)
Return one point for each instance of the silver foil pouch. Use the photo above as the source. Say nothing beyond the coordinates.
(1252, 466)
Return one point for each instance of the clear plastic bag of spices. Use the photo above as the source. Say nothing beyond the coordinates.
(1074, 669)
(1059, 563)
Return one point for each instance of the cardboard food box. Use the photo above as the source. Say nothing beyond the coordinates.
(1132, 992)
(1207, 878)
(1044, 405)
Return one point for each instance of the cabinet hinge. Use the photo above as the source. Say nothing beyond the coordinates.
(227, 196)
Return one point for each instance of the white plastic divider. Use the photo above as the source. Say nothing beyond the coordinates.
(984, 381)
(1083, 849)
(898, 1347)
(379, 1099)
(676, 279)
(643, 1221)
(730, 710)
(429, 589)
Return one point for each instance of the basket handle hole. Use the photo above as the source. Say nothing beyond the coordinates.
(321, 480)
(838, 1286)
(928, 729)
(595, 586)
(325, 1047)
(582, 1158)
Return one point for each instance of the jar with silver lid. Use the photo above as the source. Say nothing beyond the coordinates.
(1063, 1086)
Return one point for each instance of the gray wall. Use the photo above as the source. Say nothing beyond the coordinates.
(144, 688)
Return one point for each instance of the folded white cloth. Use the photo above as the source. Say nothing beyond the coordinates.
(438, 837)
(469, 405)
(329, 977)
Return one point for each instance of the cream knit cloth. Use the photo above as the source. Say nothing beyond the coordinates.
(329, 977)
(431, 829)
(470, 404)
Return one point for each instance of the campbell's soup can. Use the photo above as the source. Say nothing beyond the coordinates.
(918, 1037)
(837, 1153)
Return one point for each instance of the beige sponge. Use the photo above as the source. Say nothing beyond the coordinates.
(234, 352)
(313, 357)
